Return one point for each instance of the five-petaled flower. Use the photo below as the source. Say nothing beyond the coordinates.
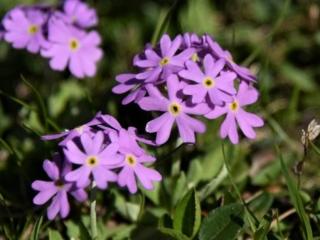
(57, 189)
(79, 13)
(96, 161)
(213, 84)
(72, 47)
(134, 158)
(175, 110)
(235, 114)
(160, 65)
(24, 29)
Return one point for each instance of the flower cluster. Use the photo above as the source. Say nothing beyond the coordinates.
(191, 75)
(98, 152)
(61, 35)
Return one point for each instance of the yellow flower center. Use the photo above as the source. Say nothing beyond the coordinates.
(33, 29)
(164, 61)
(195, 57)
(92, 161)
(208, 82)
(175, 109)
(234, 106)
(74, 44)
(131, 160)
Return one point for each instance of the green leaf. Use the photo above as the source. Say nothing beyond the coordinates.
(36, 229)
(296, 200)
(173, 233)
(73, 230)
(315, 148)
(163, 22)
(187, 217)
(54, 235)
(194, 173)
(213, 163)
(175, 187)
(41, 103)
(165, 221)
(213, 184)
(195, 17)
(270, 172)
(263, 229)
(298, 77)
(223, 223)
(154, 194)
(68, 91)
(127, 209)
(261, 204)
(118, 232)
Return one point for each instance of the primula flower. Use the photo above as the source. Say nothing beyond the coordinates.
(129, 83)
(175, 110)
(70, 46)
(213, 84)
(110, 125)
(192, 40)
(57, 189)
(134, 158)
(79, 13)
(235, 114)
(23, 28)
(69, 135)
(242, 72)
(137, 88)
(96, 160)
(158, 66)
(199, 43)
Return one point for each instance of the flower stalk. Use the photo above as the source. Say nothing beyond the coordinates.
(93, 214)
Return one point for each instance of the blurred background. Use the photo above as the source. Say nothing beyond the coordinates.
(278, 39)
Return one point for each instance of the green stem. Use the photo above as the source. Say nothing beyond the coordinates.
(251, 217)
(93, 214)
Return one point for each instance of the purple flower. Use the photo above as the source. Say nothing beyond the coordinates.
(70, 46)
(69, 135)
(96, 160)
(158, 66)
(109, 123)
(24, 28)
(237, 115)
(175, 110)
(128, 83)
(79, 13)
(242, 72)
(192, 40)
(134, 158)
(137, 88)
(213, 84)
(57, 190)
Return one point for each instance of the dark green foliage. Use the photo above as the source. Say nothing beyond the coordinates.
(223, 223)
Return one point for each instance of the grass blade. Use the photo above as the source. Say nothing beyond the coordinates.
(296, 199)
